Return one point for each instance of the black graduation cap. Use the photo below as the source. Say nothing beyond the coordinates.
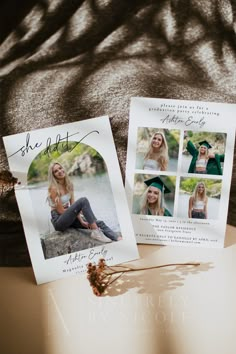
(158, 183)
(205, 143)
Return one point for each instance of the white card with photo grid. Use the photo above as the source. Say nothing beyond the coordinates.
(179, 170)
(69, 183)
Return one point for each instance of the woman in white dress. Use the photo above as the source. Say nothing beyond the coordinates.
(198, 202)
(157, 156)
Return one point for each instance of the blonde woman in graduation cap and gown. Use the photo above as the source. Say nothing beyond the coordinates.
(153, 198)
(204, 162)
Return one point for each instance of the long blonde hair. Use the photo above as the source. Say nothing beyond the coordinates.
(53, 184)
(195, 192)
(158, 208)
(162, 156)
(206, 153)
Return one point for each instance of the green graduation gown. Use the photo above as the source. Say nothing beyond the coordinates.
(213, 165)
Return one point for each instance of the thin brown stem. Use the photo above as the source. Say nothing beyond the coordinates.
(117, 266)
(154, 267)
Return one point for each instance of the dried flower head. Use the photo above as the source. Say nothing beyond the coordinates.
(97, 276)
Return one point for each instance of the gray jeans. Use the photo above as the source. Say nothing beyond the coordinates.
(61, 222)
(198, 214)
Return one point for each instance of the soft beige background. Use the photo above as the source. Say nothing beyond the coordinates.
(179, 311)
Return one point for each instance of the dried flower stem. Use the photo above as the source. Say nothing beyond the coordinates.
(100, 276)
(147, 268)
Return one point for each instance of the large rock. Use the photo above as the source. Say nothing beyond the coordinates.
(72, 240)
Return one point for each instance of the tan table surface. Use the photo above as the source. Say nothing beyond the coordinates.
(169, 310)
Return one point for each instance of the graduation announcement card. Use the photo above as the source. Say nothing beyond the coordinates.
(71, 197)
(179, 168)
